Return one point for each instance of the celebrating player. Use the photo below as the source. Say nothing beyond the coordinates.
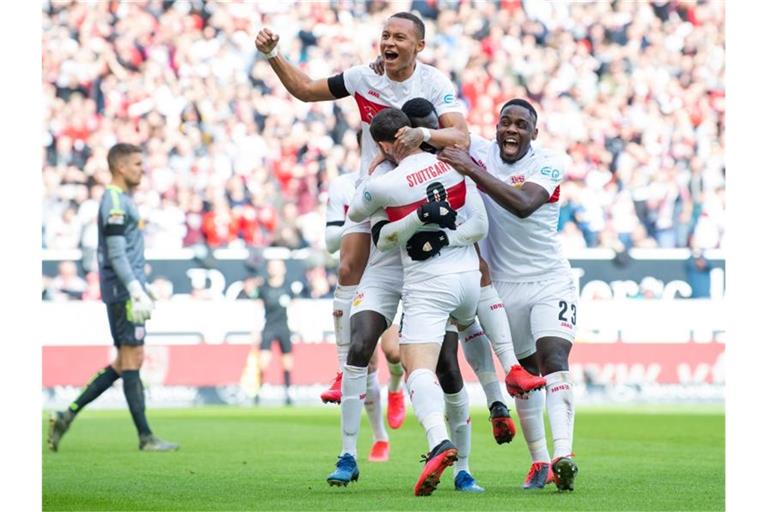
(340, 193)
(493, 319)
(402, 38)
(520, 187)
(421, 191)
(122, 280)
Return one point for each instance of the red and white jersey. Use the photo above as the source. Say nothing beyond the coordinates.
(399, 192)
(516, 249)
(374, 93)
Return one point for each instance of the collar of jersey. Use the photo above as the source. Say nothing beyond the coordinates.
(115, 187)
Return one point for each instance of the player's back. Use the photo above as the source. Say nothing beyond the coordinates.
(420, 178)
(119, 216)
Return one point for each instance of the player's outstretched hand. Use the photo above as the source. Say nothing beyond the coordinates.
(437, 212)
(266, 40)
(425, 244)
(377, 66)
(457, 158)
(141, 303)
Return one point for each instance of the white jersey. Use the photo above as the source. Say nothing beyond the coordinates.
(419, 178)
(374, 93)
(383, 266)
(340, 194)
(516, 249)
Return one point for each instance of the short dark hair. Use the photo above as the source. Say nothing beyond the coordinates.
(521, 103)
(120, 151)
(418, 107)
(420, 30)
(385, 124)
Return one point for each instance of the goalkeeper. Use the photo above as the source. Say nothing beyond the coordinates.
(122, 280)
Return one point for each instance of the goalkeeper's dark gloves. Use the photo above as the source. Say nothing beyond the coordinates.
(437, 212)
(426, 244)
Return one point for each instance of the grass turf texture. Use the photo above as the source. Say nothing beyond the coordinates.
(278, 459)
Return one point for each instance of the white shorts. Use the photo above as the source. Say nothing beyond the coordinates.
(356, 227)
(539, 309)
(378, 297)
(428, 304)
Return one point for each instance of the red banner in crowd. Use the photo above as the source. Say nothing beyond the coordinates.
(219, 365)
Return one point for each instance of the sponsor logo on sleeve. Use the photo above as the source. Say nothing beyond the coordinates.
(552, 173)
(449, 98)
(367, 196)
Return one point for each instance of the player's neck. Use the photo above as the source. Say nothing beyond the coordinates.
(119, 182)
(275, 281)
(402, 74)
(415, 151)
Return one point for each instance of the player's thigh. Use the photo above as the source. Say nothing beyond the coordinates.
(517, 304)
(378, 298)
(467, 294)
(283, 338)
(553, 313)
(124, 331)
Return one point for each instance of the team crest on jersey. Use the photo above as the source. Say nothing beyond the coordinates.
(358, 298)
(139, 332)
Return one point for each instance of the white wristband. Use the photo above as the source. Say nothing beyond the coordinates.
(272, 54)
(425, 132)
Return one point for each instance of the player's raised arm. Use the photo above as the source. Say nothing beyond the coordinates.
(298, 83)
(519, 201)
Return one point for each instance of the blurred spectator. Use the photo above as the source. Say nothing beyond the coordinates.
(697, 269)
(67, 284)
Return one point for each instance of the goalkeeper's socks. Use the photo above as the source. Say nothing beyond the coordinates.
(561, 410)
(342, 303)
(134, 395)
(457, 414)
(530, 410)
(99, 383)
(353, 384)
(395, 376)
(477, 352)
(373, 407)
(427, 400)
(493, 318)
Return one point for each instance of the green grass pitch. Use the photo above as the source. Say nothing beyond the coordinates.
(277, 459)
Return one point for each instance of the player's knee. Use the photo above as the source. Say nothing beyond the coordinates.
(485, 273)
(554, 361)
(392, 354)
(449, 378)
(358, 355)
(530, 364)
(350, 271)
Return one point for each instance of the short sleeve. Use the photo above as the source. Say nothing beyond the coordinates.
(354, 78)
(444, 95)
(334, 212)
(549, 172)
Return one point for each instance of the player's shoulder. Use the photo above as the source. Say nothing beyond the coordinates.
(383, 168)
(428, 70)
(544, 156)
(361, 75)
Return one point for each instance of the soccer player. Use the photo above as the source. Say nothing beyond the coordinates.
(421, 191)
(402, 38)
(276, 296)
(520, 186)
(340, 193)
(122, 280)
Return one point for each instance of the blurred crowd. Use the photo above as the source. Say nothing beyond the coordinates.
(633, 91)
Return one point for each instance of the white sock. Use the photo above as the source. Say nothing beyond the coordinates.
(373, 407)
(342, 302)
(353, 383)
(457, 414)
(477, 352)
(531, 413)
(561, 411)
(493, 318)
(427, 400)
(395, 376)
